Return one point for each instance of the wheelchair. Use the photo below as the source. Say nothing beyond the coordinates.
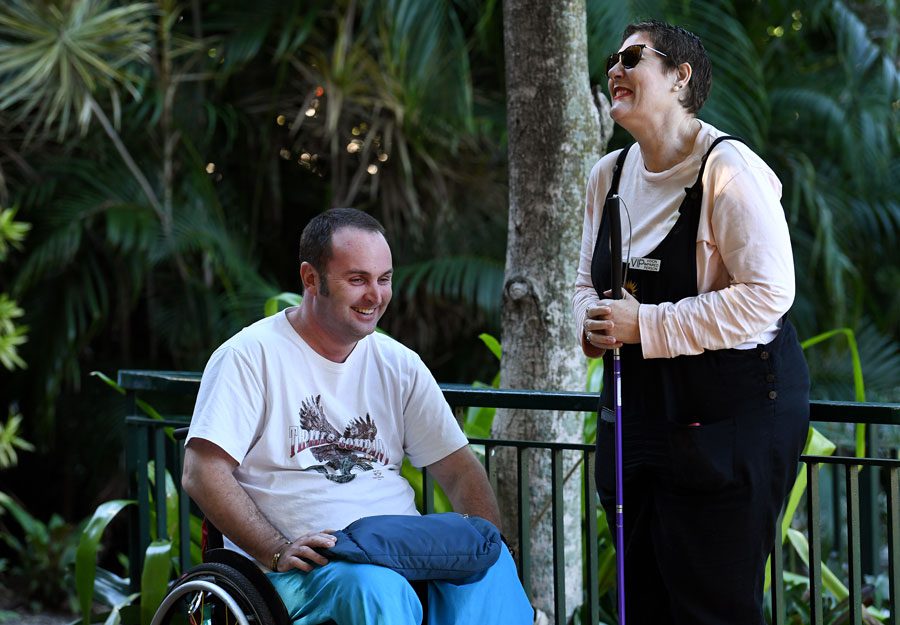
(226, 589)
(230, 589)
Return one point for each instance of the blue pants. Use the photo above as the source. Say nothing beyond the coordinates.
(365, 594)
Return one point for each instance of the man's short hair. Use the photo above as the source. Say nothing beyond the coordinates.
(315, 241)
(680, 46)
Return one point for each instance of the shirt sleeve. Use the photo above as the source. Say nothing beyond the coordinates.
(749, 230)
(431, 432)
(585, 296)
(230, 404)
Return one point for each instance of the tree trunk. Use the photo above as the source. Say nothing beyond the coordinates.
(554, 139)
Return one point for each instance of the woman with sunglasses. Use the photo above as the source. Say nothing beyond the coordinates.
(714, 385)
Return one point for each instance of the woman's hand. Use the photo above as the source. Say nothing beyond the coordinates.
(613, 322)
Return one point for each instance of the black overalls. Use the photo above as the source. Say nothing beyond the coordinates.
(710, 445)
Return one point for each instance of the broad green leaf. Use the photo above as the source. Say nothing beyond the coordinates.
(492, 344)
(171, 499)
(478, 422)
(155, 578)
(86, 554)
(816, 445)
(32, 526)
(594, 375)
(274, 303)
(829, 579)
(112, 590)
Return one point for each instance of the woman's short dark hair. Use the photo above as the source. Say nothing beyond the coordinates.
(315, 242)
(680, 46)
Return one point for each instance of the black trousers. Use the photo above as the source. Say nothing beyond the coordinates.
(701, 502)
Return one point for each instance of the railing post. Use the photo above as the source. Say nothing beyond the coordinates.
(836, 521)
(427, 491)
(184, 510)
(869, 512)
(559, 536)
(815, 544)
(159, 482)
(524, 513)
(489, 467)
(139, 527)
(853, 544)
(893, 536)
(592, 598)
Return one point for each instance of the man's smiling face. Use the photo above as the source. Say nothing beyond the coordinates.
(355, 285)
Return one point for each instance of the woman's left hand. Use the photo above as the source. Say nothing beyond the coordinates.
(624, 315)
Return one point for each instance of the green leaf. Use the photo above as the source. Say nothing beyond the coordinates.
(171, 499)
(414, 477)
(471, 279)
(829, 580)
(112, 590)
(594, 375)
(86, 555)
(108, 381)
(492, 344)
(274, 303)
(478, 422)
(155, 578)
(32, 526)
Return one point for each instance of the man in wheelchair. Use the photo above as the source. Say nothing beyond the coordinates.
(301, 424)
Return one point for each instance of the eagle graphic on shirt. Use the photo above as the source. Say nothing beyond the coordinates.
(339, 453)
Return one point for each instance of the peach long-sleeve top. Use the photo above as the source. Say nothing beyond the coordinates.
(745, 268)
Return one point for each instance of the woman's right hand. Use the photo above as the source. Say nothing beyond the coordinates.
(597, 326)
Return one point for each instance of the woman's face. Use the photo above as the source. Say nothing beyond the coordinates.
(645, 93)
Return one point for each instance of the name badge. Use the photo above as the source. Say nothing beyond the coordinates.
(645, 264)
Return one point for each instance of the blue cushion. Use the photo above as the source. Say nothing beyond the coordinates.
(445, 546)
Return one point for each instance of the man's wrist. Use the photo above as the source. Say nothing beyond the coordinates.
(277, 555)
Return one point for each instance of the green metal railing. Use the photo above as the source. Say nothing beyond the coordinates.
(152, 439)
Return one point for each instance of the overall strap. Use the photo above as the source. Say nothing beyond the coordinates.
(695, 191)
(617, 171)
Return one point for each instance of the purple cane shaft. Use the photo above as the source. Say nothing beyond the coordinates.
(620, 523)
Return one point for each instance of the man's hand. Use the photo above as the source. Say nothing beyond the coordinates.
(301, 554)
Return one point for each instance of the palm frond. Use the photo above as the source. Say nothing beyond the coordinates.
(880, 358)
(53, 57)
(738, 101)
(475, 280)
(605, 23)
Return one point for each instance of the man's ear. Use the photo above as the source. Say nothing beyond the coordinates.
(309, 279)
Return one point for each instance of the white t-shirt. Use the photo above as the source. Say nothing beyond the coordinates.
(745, 268)
(319, 443)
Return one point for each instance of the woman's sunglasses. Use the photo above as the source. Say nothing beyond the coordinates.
(630, 56)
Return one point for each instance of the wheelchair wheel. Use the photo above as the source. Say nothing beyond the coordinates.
(213, 594)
